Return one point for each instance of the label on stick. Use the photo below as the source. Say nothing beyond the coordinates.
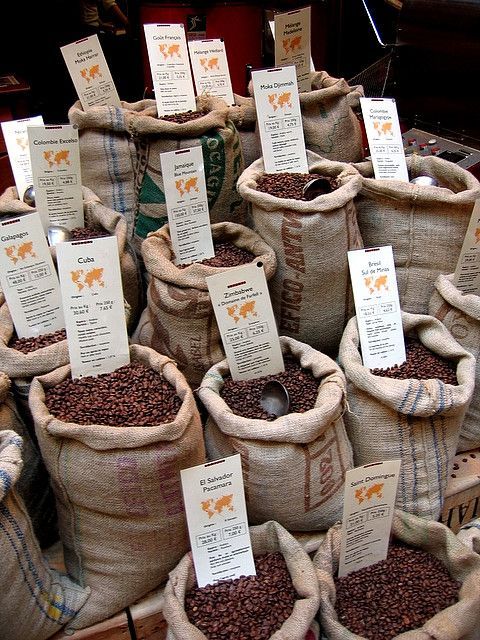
(242, 306)
(384, 138)
(187, 204)
(467, 272)
(90, 74)
(280, 120)
(292, 43)
(55, 155)
(368, 507)
(379, 318)
(16, 140)
(28, 277)
(210, 68)
(91, 283)
(170, 67)
(214, 500)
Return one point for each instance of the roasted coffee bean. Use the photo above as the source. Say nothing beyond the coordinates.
(421, 364)
(87, 233)
(396, 595)
(249, 608)
(289, 185)
(181, 118)
(27, 345)
(226, 255)
(243, 396)
(131, 396)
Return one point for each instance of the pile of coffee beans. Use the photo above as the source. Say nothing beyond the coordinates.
(132, 396)
(396, 595)
(226, 255)
(289, 185)
(243, 396)
(421, 364)
(87, 233)
(27, 345)
(181, 118)
(249, 608)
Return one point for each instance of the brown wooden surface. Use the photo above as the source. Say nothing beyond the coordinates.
(115, 628)
(147, 617)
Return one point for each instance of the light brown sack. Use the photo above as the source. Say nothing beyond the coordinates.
(310, 290)
(416, 421)
(301, 455)
(460, 313)
(33, 483)
(269, 537)
(35, 601)
(120, 153)
(469, 535)
(244, 116)
(425, 225)
(461, 621)
(179, 320)
(118, 493)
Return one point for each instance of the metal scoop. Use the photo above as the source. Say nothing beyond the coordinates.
(275, 399)
(425, 181)
(316, 187)
(29, 196)
(57, 234)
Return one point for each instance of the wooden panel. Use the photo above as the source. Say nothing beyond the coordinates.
(147, 617)
(115, 628)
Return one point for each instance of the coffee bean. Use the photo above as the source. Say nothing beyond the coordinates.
(396, 595)
(243, 396)
(289, 185)
(181, 118)
(421, 364)
(248, 608)
(27, 345)
(226, 255)
(87, 233)
(131, 396)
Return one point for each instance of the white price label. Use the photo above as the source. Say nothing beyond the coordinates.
(292, 43)
(467, 272)
(210, 69)
(16, 141)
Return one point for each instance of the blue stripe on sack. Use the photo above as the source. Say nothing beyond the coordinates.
(121, 192)
(414, 456)
(417, 398)
(41, 605)
(402, 404)
(16, 441)
(437, 452)
(7, 480)
(402, 475)
(444, 443)
(31, 565)
(112, 161)
(441, 396)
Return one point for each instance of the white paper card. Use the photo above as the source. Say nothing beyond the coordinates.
(28, 277)
(170, 67)
(90, 74)
(467, 272)
(242, 306)
(292, 43)
(91, 283)
(55, 155)
(16, 141)
(187, 204)
(210, 69)
(375, 291)
(368, 508)
(214, 500)
(384, 138)
(280, 120)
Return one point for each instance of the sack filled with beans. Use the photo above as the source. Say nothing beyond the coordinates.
(280, 603)
(99, 221)
(304, 453)
(428, 587)
(460, 313)
(179, 320)
(412, 412)
(425, 225)
(310, 290)
(33, 482)
(35, 601)
(114, 446)
(120, 155)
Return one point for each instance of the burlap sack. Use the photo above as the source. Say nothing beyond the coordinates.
(469, 535)
(269, 537)
(425, 225)
(244, 116)
(460, 621)
(460, 313)
(33, 483)
(118, 493)
(179, 320)
(35, 601)
(110, 138)
(303, 455)
(416, 421)
(330, 125)
(311, 288)
(97, 216)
